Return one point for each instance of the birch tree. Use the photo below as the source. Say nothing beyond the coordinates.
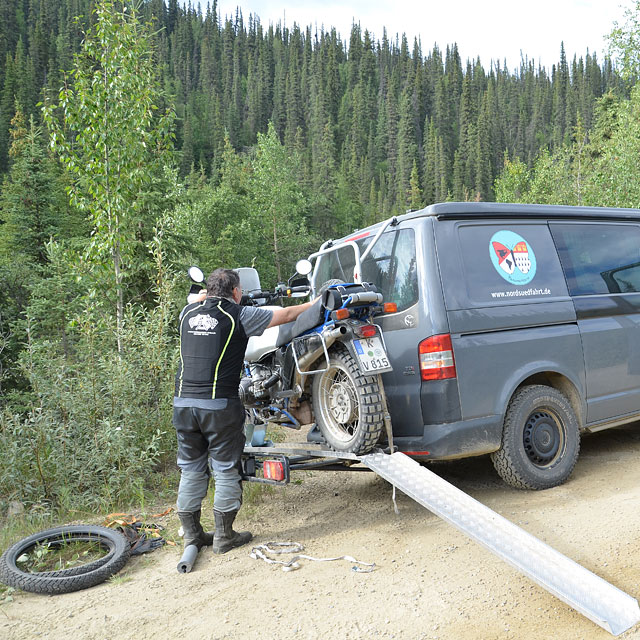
(107, 133)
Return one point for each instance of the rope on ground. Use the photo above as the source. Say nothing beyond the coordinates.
(259, 552)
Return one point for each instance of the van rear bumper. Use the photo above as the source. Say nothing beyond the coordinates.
(451, 440)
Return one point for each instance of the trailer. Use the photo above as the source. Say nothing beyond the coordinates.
(598, 600)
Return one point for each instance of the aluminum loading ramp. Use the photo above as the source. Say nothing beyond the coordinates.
(592, 596)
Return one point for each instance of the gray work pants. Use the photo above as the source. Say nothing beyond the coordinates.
(210, 439)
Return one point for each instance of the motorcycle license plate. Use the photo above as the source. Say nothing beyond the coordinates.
(372, 355)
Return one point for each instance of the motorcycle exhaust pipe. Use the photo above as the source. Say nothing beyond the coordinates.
(306, 360)
(188, 559)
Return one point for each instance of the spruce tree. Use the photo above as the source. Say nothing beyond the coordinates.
(33, 203)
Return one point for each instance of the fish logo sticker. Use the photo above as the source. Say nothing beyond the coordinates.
(513, 257)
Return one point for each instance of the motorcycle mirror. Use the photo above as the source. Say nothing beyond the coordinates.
(195, 273)
(304, 267)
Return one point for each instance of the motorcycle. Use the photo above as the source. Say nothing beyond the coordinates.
(324, 368)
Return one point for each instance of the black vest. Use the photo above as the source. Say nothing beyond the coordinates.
(212, 346)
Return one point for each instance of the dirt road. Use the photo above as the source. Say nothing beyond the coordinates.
(430, 581)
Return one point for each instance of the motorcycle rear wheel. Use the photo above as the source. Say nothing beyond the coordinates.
(347, 404)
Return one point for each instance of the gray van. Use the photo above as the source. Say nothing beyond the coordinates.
(518, 327)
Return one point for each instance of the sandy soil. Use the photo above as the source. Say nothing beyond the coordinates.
(430, 581)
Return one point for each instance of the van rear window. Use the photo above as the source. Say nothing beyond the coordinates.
(599, 258)
(391, 266)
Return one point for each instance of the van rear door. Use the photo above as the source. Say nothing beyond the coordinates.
(395, 265)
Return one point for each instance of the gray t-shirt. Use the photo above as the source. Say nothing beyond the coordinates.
(254, 321)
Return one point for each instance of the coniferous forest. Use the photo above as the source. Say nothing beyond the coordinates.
(138, 137)
(386, 125)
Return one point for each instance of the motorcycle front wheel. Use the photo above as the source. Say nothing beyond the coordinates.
(347, 404)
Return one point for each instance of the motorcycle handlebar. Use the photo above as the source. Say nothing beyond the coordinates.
(254, 296)
(281, 291)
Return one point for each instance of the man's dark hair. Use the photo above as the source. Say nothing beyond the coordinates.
(222, 282)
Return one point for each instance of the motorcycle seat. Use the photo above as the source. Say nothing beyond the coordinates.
(308, 319)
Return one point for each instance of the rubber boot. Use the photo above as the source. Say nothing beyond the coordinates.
(193, 531)
(225, 538)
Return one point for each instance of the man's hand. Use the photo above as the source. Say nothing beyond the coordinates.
(197, 297)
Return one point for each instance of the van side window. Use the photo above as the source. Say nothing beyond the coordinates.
(599, 258)
(391, 266)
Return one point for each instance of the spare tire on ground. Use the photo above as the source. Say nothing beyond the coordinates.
(115, 545)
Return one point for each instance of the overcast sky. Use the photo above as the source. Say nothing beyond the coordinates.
(491, 29)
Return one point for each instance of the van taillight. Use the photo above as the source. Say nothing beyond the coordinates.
(436, 358)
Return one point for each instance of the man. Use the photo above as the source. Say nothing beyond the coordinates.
(207, 413)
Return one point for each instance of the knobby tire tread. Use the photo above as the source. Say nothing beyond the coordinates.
(74, 578)
(370, 408)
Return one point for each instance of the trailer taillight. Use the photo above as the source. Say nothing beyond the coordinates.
(273, 470)
(436, 358)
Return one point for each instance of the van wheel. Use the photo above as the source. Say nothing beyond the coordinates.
(540, 439)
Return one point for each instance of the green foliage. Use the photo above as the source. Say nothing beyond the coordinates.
(600, 167)
(228, 75)
(276, 225)
(256, 216)
(34, 209)
(111, 143)
(513, 183)
(96, 427)
(90, 424)
(68, 554)
(33, 202)
(602, 171)
(286, 139)
(624, 43)
(14, 280)
(415, 199)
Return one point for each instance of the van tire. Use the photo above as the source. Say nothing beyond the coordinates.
(347, 404)
(540, 439)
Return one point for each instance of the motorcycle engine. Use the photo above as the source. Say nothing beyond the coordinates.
(252, 391)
